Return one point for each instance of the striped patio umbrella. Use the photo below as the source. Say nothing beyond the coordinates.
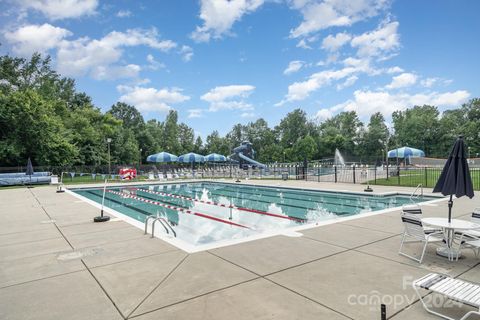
(215, 157)
(405, 152)
(162, 157)
(191, 158)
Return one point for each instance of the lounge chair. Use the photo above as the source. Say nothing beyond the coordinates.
(454, 289)
(415, 232)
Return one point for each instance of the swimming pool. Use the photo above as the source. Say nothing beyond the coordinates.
(205, 215)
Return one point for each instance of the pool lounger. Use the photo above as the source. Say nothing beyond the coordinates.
(453, 289)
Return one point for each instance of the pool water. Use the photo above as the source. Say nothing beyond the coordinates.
(206, 213)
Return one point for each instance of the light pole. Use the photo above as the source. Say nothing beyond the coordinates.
(140, 162)
(109, 140)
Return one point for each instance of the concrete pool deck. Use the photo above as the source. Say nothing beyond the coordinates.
(55, 263)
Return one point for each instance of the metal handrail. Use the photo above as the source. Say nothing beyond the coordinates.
(416, 196)
(163, 222)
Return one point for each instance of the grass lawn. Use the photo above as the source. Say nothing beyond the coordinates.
(426, 176)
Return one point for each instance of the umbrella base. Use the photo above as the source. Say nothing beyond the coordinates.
(101, 219)
(368, 189)
(449, 253)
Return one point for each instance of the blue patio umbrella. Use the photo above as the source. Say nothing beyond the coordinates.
(405, 152)
(191, 158)
(215, 157)
(455, 177)
(162, 157)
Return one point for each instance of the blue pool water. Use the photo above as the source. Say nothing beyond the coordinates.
(204, 213)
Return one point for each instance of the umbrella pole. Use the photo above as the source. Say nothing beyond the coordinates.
(101, 217)
(450, 205)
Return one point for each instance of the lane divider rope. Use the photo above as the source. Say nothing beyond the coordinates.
(222, 205)
(122, 194)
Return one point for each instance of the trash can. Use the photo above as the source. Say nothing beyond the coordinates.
(284, 175)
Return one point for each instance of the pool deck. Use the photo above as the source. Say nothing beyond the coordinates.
(55, 263)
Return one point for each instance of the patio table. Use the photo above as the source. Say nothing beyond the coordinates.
(448, 229)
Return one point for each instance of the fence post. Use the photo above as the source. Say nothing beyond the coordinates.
(335, 174)
(398, 174)
(353, 174)
(318, 177)
(375, 175)
(426, 179)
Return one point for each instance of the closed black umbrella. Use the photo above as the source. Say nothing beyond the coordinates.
(29, 171)
(455, 178)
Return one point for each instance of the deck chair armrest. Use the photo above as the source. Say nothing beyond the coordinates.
(434, 234)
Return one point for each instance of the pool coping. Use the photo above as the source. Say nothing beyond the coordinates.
(289, 231)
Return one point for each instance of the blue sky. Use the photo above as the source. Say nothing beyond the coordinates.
(223, 62)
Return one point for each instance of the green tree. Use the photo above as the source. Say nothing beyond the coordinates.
(198, 146)
(170, 133)
(417, 127)
(373, 140)
(292, 128)
(29, 127)
(305, 148)
(129, 115)
(186, 138)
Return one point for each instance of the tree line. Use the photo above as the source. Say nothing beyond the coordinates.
(44, 117)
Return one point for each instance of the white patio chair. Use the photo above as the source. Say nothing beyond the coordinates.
(415, 211)
(415, 232)
(471, 239)
(454, 289)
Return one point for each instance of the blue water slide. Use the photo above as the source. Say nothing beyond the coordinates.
(256, 163)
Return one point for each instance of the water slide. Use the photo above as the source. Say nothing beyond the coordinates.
(245, 152)
(256, 163)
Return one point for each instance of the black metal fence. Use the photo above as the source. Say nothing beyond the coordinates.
(357, 174)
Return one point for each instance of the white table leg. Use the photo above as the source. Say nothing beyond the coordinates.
(449, 251)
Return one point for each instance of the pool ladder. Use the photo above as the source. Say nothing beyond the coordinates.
(414, 194)
(167, 226)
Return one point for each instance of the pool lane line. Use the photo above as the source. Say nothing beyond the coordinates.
(122, 194)
(375, 205)
(171, 195)
(277, 203)
(309, 193)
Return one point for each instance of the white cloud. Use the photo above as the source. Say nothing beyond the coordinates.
(35, 38)
(61, 9)
(151, 99)
(84, 55)
(154, 64)
(365, 103)
(378, 42)
(333, 43)
(229, 97)
(116, 72)
(303, 44)
(323, 114)
(293, 67)
(347, 83)
(219, 16)
(248, 115)
(124, 13)
(395, 69)
(301, 90)
(187, 53)
(195, 113)
(322, 14)
(403, 80)
(430, 82)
